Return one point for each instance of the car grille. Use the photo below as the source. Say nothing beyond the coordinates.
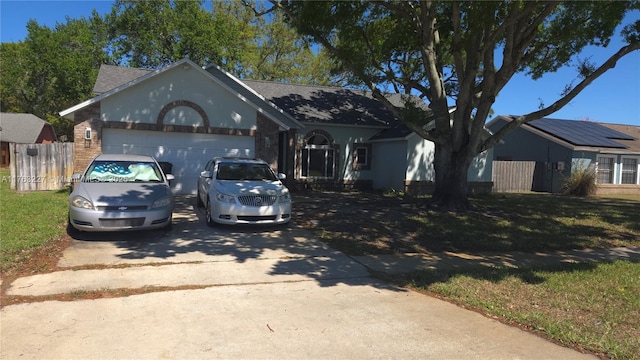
(256, 218)
(122, 208)
(133, 222)
(257, 200)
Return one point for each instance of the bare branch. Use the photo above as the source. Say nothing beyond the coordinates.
(257, 12)
(523, 119)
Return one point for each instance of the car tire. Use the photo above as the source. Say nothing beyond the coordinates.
(199, 202)
(169, 226)
(71, 230)
(210, 221)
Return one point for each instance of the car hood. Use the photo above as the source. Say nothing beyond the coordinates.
(103, 194)
(232, 187)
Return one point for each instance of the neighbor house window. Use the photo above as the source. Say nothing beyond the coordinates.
(629, 171)
(361, 157)
(605, 170)
(318, 156)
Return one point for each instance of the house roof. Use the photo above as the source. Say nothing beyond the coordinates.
(585, 135)
(20, 128)
(111, 82)
(581, 133)
(110, 77)
(632, 145)
(328, 104)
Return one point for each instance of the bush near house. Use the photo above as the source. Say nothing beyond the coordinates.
(582, 182)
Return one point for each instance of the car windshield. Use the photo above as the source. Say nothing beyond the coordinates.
(123, 172)
(245, 172)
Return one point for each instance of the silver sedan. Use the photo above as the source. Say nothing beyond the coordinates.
(121, 192)
(243, 191)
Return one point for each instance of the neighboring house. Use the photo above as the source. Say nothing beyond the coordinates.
(317, 136)
(561, 146)
(23, 129)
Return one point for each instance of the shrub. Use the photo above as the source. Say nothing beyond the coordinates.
(582, 182)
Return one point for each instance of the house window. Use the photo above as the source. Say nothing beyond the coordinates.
(605, 170)
(629, 171)
(361, 157)
(318, 156)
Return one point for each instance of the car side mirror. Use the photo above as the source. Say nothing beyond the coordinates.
(76, 176)
(206, 174)
(170, 177)
(281, 176)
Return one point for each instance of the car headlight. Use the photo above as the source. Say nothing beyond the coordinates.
(80, 202)
(285, 197)
(225, 198)
(162, 202)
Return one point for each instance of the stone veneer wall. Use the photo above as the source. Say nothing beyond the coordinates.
(267, 150)
(604, 189)
(427, 187)
(84, 150)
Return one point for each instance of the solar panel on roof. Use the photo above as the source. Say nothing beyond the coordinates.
(581, 133)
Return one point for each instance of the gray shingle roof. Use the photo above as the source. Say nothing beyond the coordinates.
(632, 143)
(110, 77)
(326, 104)
(20, 128)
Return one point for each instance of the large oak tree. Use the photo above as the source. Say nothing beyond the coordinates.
(461, 54)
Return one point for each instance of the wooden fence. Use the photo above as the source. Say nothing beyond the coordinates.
(41, 166)
(513, 176)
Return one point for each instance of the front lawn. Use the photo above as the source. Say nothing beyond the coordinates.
(593, 307)
(365, 223)
(29, 222)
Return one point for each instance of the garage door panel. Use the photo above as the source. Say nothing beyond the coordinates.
(187, 152)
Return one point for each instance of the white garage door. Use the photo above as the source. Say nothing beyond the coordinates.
(186, 151)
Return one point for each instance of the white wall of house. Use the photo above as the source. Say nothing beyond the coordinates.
(481, 168)
(143, 102)
(420, 155)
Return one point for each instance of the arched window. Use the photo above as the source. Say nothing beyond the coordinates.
(318, 156)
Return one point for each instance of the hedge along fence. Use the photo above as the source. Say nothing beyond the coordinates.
(36, 167)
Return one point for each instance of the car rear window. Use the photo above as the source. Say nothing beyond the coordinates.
(122, 171)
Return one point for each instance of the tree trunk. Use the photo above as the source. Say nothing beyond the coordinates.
(451, 179)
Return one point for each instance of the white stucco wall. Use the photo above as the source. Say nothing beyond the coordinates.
(420, 155)
(419, 159)
(143, 102)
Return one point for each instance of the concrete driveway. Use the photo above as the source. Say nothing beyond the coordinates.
(240, 293)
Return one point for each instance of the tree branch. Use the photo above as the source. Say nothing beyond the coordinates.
(560, 103)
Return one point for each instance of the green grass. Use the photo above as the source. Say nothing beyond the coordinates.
(591, 306)
(28, 221)
(533, 222)
(497, 222)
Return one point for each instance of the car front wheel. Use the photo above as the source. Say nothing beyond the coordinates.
(210, 221)
(199, 202)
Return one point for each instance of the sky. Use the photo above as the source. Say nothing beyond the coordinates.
(612, 98)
